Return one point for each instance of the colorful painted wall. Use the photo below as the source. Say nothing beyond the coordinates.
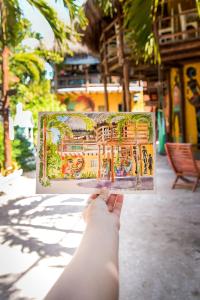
(95, 101)
(176, 105)
(192, 102)
(85, 165)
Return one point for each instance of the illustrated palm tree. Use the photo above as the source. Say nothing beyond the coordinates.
(49, 121)
(134, 119)
(12, 28)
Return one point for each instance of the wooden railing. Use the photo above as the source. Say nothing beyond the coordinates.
(184, 26)
(129, 134)
(114, 50)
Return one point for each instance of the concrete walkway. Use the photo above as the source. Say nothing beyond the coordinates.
(159, 241)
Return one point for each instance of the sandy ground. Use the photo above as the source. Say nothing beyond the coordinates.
(159, 251)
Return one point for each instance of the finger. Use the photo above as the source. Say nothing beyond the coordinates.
(93, 196)
(111, 202)
(103, 195)
(118, 205)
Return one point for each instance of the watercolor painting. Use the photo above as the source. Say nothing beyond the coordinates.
(83, 152)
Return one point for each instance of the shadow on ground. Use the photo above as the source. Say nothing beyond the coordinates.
(37, 225)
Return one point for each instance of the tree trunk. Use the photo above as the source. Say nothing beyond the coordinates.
(44, 148)
(126, 85)
(5, 98)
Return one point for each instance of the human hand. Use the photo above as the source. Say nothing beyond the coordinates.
(104, 208)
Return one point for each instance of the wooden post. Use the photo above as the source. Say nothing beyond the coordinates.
(106, 101)
(126, 85)
(170, 105)
(140, 159)
(99, 161)
(132, 159)
(112, 164)
(108, 160)
(86, 79)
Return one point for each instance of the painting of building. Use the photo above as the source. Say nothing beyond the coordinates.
(82, 152)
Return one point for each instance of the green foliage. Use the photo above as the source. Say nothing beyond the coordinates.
(27, 66)
(36, 97)
(87, 175)
(198, 6)
(133, 118)
(23, 151)
(139, 21)
(51, 16)
(54, 161)
(52, 57)
(15, 27)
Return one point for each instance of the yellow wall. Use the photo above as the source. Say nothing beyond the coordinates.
(114, 99)
(150, 150)
(190, 113)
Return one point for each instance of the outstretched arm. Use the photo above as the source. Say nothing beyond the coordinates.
(92, 273)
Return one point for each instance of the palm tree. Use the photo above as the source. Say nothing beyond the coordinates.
(12, 32)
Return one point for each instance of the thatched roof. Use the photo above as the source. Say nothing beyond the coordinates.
(96, 21)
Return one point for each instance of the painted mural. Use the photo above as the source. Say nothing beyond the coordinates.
(193, 100)
(80, 152)
(81, 102)
(94, 101)
(176, 93)
(166, 108)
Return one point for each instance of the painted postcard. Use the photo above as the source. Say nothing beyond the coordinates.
(83, 152)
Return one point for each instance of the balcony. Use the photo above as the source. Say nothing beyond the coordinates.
(179, 35)
(131, 134)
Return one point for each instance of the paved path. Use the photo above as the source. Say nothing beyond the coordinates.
(159, 241)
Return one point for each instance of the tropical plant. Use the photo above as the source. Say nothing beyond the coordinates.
(54, 161)
(132, 118)
(13, 29)
(56, 120)
(23, 151)
(28, 67)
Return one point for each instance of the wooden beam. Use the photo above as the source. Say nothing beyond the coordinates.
(112, 164)
(99, 161)
(126, 85)
(106, 101)
(181, 56)
(180, 47)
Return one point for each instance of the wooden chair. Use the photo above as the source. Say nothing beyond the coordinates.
(182, 160)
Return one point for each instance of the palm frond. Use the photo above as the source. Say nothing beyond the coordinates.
(15, 25)
(51, 16)
(198, 6)
(28, 64)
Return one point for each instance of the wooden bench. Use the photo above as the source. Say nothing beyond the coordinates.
(182, 160)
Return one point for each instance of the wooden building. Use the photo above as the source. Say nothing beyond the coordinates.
(80, 86)
(105, 152)
(173, 86)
